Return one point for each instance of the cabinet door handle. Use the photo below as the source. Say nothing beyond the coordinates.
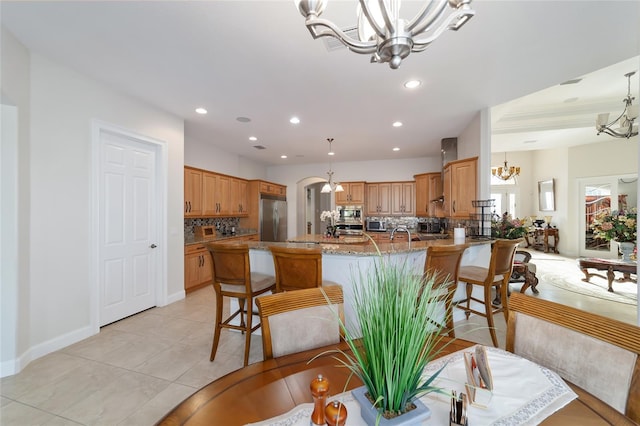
(453, 206)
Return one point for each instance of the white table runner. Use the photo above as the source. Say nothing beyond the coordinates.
(524, 394)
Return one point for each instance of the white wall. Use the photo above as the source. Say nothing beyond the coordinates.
(370, 171)
(62, 108)
(611, 157)
(203, 155)
(14, 291)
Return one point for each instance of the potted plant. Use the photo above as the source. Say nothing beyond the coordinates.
(507, 228)
(620, 226)
(396, 314)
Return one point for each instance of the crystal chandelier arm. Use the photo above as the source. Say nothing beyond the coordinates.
(324, 28)
(426, 17)
(421, 44)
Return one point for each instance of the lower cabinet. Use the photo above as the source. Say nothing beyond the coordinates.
(198, 270)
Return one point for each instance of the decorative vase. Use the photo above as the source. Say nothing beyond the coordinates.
(626, 248)
(370, 414)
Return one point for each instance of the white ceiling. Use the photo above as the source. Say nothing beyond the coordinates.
(256, 59)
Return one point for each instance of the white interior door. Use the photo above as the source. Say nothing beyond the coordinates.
(127, 259)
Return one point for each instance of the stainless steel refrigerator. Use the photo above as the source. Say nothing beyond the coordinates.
(273, 219)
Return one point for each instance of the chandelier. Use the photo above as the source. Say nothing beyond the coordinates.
(330, 185)
(382, 33)
(627, 127)
(506, 172)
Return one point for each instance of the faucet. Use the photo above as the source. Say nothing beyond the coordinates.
(401, 228)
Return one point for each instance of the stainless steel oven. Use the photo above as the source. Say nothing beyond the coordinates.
(350, 214)
(349, 229)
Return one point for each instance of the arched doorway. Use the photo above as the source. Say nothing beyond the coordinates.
(310, 203)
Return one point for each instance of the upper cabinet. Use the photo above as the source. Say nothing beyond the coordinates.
(192, 192)
(238, 196)
(402, 198)
(429, 188)
(436, 209)
(209, 194)
(378, 199)
(460, 183)
(272, 189)
(353, 194)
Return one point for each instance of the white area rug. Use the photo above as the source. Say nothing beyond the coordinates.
(566, 274)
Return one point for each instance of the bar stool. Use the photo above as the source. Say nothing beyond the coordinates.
(496, 275)
(298, 268)
(232, 277)
(444, 262)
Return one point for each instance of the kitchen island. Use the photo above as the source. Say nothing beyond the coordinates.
(342, 263)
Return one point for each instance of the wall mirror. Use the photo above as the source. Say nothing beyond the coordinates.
(546, 196)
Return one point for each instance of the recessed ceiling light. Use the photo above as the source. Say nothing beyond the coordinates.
(396, 149)
(531, 141)
(201, 110)
(412, 84)
(331, 153)
(253, 138)
(283, 156)
(294, 120)
(397, 124)
(243, 119)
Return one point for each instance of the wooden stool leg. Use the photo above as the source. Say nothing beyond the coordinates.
(247, 344)
(216, 333)
(489, 314)
(469, 289)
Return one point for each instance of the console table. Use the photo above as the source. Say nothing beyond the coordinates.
(539, 239)
(609, 265)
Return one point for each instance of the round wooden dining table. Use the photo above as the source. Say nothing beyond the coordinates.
(269, 388)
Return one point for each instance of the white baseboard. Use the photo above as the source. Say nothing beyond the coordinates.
(14, 366)
(179, 295)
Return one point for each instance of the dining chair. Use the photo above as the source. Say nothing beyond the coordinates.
(443, 262)
(294, 321)
(298, 268)
(233, 278)
(524, 271)
(599, 355)
(497, 276)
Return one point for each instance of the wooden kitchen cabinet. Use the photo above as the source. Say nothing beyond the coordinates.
(460, 182)
(422, 194)
(198, 270)
(192, 192)
(238, 197)
(402, 200)
(272, 189)
(436, 209)
(353, 194)
(215, 195)
(378, 199)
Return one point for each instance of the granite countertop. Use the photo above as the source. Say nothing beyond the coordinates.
(219, 237)
(359, 248)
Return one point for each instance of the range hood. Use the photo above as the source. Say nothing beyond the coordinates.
(449, 152)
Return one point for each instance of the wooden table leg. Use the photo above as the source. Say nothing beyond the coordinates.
(610, 277)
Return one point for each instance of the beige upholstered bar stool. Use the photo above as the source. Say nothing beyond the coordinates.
(496, 275)
(295, 321)
(298, 268)
(232, 277)
(444, 262)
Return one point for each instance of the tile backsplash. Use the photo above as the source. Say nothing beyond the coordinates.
(220, 223)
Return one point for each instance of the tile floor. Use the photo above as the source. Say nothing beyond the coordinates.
(137, 369)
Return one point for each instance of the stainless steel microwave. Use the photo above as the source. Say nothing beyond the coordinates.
(376, 225)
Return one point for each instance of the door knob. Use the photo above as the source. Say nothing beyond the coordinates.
(153, 246)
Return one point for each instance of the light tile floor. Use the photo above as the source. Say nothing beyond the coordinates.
(137, 369)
